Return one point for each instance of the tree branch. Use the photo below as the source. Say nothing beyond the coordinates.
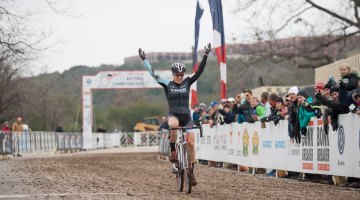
(333, 14)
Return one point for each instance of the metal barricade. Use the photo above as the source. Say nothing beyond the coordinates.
(147, 138)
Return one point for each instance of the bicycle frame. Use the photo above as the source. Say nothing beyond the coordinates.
(184, 157)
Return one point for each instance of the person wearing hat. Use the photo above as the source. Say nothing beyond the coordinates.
(293, 117)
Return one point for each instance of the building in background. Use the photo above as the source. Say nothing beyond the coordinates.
(292, 45)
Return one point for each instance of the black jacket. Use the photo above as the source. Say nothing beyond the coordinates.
(336, 106)
(244, 109)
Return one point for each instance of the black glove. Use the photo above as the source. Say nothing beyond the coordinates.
(142, 54)
(251, 120)
(207, 49)
(318, 114)
(303, 131)
(266, 119)
(341, 83)
(276, 120)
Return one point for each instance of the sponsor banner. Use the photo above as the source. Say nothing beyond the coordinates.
(356, 146)
(308, 150)
(233, 155)
(266, 147)
(254, 141)
(279, 145)
(322, 150)
(247, 144)
(237, 143)
(341, 154)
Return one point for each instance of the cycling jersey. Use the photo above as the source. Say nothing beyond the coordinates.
(177, 95)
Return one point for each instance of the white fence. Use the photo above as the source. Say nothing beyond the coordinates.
(337, 153)
(32, 142)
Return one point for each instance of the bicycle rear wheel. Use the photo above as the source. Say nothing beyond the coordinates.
(187, 170)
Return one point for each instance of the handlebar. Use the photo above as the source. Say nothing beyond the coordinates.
(190, 127)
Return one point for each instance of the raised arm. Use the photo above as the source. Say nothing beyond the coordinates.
(147, 65)
(201, 68)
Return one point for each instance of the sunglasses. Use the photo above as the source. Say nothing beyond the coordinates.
(179, 75)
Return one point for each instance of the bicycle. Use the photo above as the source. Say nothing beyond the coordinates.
(184, 163)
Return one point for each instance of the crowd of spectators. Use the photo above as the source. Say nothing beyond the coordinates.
(297, 106)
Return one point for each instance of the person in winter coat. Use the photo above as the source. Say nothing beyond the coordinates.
(336, 107)
(294, 126)
(304, 114)
(243, 109)
(348, 84)
(258, 111)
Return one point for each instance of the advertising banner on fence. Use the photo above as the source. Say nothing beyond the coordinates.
(335, 153)
(341, 146)
(356, 148)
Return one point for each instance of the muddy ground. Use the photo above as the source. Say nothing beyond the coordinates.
(143, 176)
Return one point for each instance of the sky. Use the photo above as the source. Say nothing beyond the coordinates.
(96, 32)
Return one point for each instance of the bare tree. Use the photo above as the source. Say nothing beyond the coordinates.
(324, 30)
(19, 44)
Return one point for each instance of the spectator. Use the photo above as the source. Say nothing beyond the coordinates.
(230, 102)
(244, 109)
(258, 111)
(204, 116)
(356, 99)
(229, 116)
(17, 130)
(59, 128)
(304, 114)
(287, 100)
(196, 114)
(266, 104)
(335, 105)
(215, 116)
(293, 126)
(272, 102)
(164, 124)
(348, 84)
(240, 98)
(223, 102)
(5, 129)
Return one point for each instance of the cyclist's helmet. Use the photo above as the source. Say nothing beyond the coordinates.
(178, 68)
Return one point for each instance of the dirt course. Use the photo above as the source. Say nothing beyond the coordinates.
(143, 176)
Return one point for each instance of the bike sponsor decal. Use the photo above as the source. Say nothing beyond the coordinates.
(255, 144)
(341, 140)
(245, 143)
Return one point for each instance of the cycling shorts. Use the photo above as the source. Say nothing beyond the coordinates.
(184, 119)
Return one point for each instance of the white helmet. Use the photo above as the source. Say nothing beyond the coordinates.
(178, 68)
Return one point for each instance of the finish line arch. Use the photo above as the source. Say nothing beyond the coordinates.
(106, 80)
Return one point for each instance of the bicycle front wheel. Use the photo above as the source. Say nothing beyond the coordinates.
(187, 170)
(180, 172)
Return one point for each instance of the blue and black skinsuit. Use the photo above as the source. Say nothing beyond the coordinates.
(177, 95)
